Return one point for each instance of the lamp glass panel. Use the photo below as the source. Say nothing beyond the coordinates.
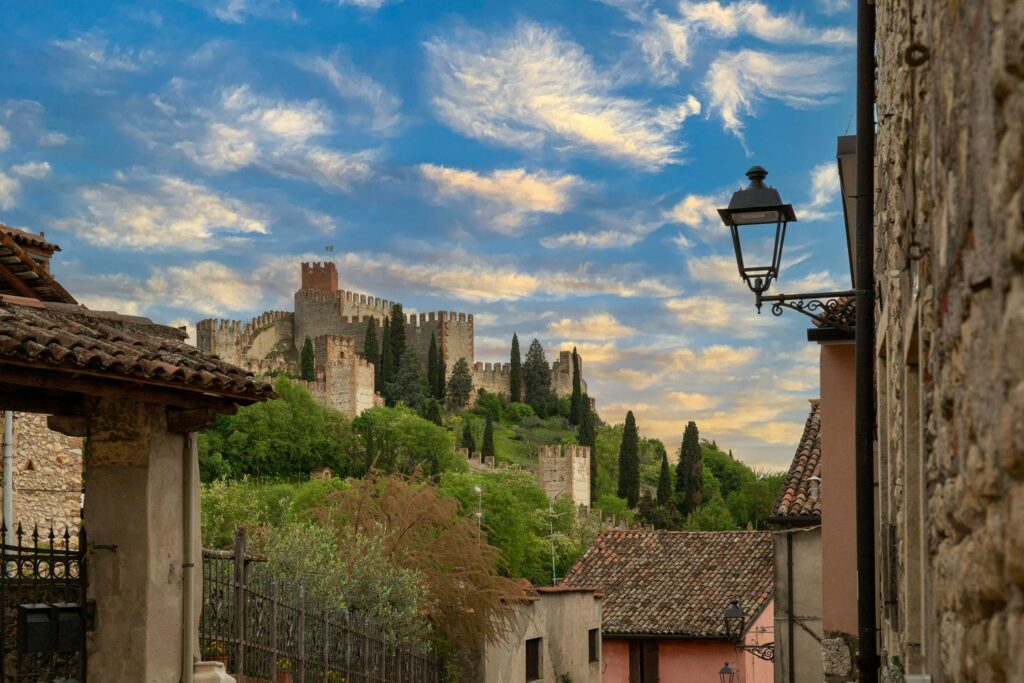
(757, 240)
(752, 217)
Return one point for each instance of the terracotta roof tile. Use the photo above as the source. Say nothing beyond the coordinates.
(29, 239)
(676, 582)
(801, 495)
(71, 338)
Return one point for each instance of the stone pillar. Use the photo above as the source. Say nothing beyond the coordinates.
(134, 516)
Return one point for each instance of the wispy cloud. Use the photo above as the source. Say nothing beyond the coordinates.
(383, 108)
(238, 11)
(369, 5)
(699, 212)
(505, 198)
(825, 192)
(160, 213)
(34, 170)
(532, 87)
(737, 81)
(9, 188)
(597, 326)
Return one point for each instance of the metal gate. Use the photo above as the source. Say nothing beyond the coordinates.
(43, 615)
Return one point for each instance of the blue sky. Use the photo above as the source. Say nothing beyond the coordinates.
(552, 167)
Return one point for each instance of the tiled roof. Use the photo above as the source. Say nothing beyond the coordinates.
(20, 272)
(800, 496)
(29, 239)
(66, 337)
(676, 582)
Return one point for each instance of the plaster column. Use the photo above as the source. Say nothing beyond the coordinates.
(134, 517)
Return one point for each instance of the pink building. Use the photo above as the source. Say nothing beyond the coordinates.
(665, 596)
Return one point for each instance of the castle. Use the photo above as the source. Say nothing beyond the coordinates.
(336, 321)
(565, 470)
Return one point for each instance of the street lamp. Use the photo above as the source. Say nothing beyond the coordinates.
(735, 622)
(727, 674)
(756, 212)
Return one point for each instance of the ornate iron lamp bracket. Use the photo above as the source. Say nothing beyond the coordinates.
(828, 309)
(764, 651)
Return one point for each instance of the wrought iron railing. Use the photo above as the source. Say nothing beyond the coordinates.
(264, 631)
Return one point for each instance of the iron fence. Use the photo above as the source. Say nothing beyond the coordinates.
(265, 631)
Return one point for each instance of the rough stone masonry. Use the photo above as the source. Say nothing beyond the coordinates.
(950, 276)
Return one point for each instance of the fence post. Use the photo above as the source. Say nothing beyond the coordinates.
(273, 630)
(325, 635)
(302, 634)
(240, 599)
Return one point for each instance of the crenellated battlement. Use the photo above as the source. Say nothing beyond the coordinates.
(320, 276)
(502, 369)
(318, 296)
(218, 325)
(357, 299)
(565, 470)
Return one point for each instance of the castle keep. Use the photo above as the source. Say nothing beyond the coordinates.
(336, 321)
(565, 470)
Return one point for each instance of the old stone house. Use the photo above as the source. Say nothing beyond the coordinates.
(665, 596)
(949, 265)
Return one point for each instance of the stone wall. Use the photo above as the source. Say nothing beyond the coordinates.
(565, 470)
(47, 475)
(344, 380)
(950, 252)
(220, 337)
(317, 313)
(497, 377)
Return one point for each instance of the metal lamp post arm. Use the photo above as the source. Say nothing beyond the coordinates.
(765, 651)
(831, 309)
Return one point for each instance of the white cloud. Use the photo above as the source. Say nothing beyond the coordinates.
(162, 213)
(592, 353)
(245, 129)
(383, 107)
(23, 121)
(831, 7)
(5, 139)
(737, 314)
(9, 188)
(699, 212)
(737, 81)
(755, 19)
(825, 190)
(691, 401)
(597, 326)
(237, 11)
(91, 52)
(602, 239)
(35, 170)
(716, 270)
(364, 4)
(510, 195)
(665, 45)
(532, 87)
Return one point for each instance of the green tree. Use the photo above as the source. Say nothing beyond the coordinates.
(440, 386)
(587, 436)
(537, 379)
(397, 333)
(468, 442)
(409, 386)
(629, 462)
(431, 410)
(387, 360)
(488, 446)
(515, 382)
(576, 402)
(432, 365)
(689, 471)
(712, 516)
(664, 482)
(308, 361)
(370, 352)
(460, 385)
(402, 442)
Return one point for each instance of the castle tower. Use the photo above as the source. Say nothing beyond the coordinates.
(322, 277)
(565, 470)
(344, 381)
(319, 305)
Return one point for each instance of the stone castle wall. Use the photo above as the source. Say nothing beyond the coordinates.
(47, 475)
(220, 337)
(497, 377)
(344, 379)
(950, 264)
(320, 276)
(565, 470)
(317, 313)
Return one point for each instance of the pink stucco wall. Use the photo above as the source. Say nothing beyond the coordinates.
(838, 502)
(695, 661)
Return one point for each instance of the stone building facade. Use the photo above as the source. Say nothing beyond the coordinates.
(47, 476)
(565, 470)
(949, 265)
(344, 380)
(272, 341)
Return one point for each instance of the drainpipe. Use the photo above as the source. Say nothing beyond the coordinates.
(789, 606)
(188, 605)
(867, 658)
(9, 475)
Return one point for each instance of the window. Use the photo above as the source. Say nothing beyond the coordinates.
(643, 661)
(534, 666)
(594, 644)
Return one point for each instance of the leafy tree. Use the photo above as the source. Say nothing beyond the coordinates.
(289, 435)
(387, 359)
(460, 385)
(712, 516)
(308, 361)
(488, 446)
(660, 516)
(399, 440)
(431, 410)
(587, 436)
(516, 378)
(664, 482)
(409, 386)
(468, 442)
(537, 379)
(629, 462)
(689, 471)
(432, 366)
(370, 351)
(516, 412)
(397, 333)
(576, 402)
(488, 405)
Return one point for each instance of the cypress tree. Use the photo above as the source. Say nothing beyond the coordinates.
(537, 379)
(467, 436)
(588, 437)
(629, 462)
(516, 380)
(440, 388)
(576, 402)
(664, 482)
(432, 366)
(308, 365)
(409, 386)
(387, 360)
(689, 471)
(397, 333)
(370, 350)
(488, 447)
(460, 385)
